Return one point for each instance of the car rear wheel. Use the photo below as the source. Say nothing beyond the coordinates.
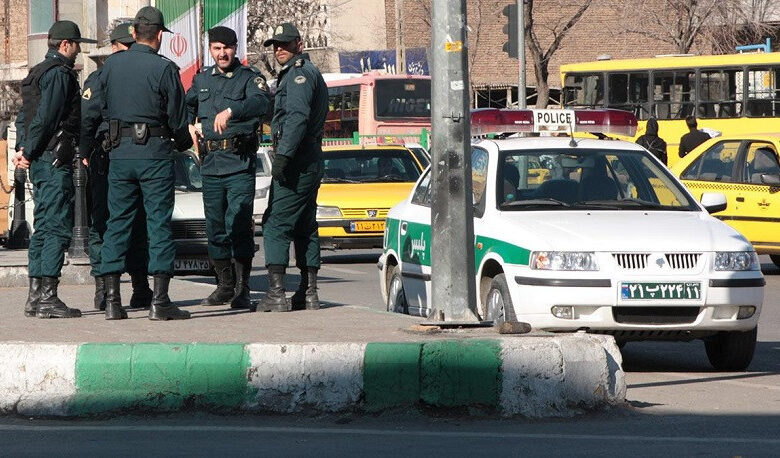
(731, 351)
(498, 304)
(775, 258)
(396, 299)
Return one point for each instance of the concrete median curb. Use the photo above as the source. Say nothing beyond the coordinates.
(529, 376)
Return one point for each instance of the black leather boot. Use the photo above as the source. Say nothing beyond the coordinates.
(142, 294)
(306, 295)
(275, 299)
(240, 298)
(162, 307)
(226, 283)
(33, 297)
(50, 306)
(114, 309)
(100, 293)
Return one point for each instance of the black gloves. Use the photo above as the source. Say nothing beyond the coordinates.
(277, 167)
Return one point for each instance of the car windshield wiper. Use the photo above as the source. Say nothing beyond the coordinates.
(622, 203)
(546, 202)
(338, 180)
(385, 179)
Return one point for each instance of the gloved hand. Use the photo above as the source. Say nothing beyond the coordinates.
(277, 167)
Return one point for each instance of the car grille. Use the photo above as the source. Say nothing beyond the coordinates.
(655, 315)
(631, 261)
(682, 261)
(188, 229)
(674, 261)
(364, 212)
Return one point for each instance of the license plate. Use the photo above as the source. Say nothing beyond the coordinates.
(367, 226)
(662, 291)
(181, 265)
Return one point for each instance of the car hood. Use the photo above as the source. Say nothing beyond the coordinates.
(363, 195)
(630, 231)
(188, 205)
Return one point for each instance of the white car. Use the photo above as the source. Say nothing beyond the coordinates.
(593, 235)
(262, 185)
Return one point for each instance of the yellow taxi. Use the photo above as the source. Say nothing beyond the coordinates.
(746, 169)
(360, 185)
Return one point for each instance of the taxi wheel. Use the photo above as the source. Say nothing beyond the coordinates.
(775, 259)
(396, 298)
(731, 351)
(499, 303)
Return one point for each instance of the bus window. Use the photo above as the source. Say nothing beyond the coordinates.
(763, 92)
(333, 126)
(351, 102)
(628, 91)
(584, 91)
(720, 94)
(403, 98)
(673, 93)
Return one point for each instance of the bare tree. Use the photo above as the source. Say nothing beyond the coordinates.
(539, 35)
(679, 23)
(741, 22)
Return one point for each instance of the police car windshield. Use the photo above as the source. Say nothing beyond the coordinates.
(370, 165)
(578, 179)
(187, 173)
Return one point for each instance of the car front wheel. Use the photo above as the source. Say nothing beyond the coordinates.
(731, 351)
(498, 306)
(396, 299)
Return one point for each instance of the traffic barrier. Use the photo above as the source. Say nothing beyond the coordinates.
(529, 376)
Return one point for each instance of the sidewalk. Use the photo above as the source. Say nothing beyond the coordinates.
(334, 359)
(13, 269)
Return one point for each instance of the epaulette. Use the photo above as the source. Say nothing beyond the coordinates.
(300, 63)
(169, 60)
(205, 68)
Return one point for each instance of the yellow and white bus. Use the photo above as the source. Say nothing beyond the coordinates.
(732, 94)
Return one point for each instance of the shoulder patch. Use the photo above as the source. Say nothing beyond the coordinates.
(300, 79)
(87, 94)
(300, 63)
(260, 81)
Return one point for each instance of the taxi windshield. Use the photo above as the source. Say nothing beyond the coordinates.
(587, 179)
(379, 165)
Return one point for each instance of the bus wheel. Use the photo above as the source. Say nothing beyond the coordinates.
(499, 306)
(396, 299)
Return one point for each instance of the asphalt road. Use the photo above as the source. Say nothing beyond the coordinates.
(676, 405)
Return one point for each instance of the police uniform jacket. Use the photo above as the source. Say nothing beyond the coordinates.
(141, 86)
(244, 91)
(94, 123)
(300, 107)
(59, 91)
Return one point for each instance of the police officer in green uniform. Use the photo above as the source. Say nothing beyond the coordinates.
(229, 99)
(95, 145)
(48, 127)
(300, 106)
(144, 103)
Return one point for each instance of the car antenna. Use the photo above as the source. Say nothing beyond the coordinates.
(572, 143)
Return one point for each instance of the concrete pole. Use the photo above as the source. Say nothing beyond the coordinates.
(400, 48)
(452, 227)
(521, 97)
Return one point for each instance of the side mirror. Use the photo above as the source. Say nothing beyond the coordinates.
(767, 178)
(713, 202)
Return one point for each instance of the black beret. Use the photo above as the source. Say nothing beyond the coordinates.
(223, 35)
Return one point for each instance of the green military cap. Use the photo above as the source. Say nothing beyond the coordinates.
(67, 30)
(123, 33)
(150, 15)
(283, 33)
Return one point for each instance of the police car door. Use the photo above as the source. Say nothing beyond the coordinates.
(757, 203)
(415, 248)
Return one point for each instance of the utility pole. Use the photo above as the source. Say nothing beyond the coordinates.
(521, 97)
(400, 49)
(452, 227)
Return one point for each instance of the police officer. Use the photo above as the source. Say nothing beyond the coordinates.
(300, 106)
(229, 99)
(48, 126)
(144, 102)
(95, 146)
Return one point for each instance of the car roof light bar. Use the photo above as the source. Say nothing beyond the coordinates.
(485, 121)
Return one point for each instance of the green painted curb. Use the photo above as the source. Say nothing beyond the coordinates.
(456, 373)
(391, 375)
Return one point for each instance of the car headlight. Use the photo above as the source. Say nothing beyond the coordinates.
(262, 193)
(328, 212)
(736, 260)
(563, 260)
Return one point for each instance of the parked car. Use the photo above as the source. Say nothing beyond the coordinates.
(188, 222)
(746, 168)
(262, 186)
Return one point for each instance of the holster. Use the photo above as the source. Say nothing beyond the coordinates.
(114, 132)
(63, 148)
(203, 148)
(140, 133)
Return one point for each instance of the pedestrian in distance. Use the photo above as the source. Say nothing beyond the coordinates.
(300, 106)
(95, 147)
(652, 142)
(693, 138)
(48, 130)
(147, 119)
(230, 100)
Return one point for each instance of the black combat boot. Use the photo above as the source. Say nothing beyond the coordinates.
(226, 283)
(306, 295)
(142, 294)
(114, 309)
(241, 299)
(162, 307)
(275, 299)
(100, 293)
(33, 297)
(50, 306)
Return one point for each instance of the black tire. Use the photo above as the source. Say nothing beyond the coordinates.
(498, 302)
(731, 351)
(396, 298)
(775, 259)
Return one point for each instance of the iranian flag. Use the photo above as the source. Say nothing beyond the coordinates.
(182, 46)
(228, 13)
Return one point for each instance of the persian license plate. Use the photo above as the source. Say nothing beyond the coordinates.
(662, 291)
(186, 265)
(367, 226)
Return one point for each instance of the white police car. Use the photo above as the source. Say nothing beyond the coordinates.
(586, 234)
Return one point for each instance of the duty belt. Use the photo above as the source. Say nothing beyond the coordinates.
(225, 143)
(159, 131)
